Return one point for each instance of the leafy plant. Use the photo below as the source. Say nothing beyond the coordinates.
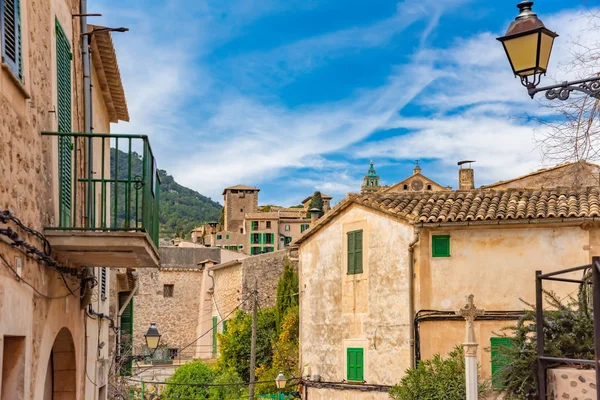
(229, 385)
(435, 379)
(235, 343)
(315, 202)
(194, 372)
(568, 333)
(287, 292)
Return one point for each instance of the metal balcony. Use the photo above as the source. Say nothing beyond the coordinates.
(106, 201)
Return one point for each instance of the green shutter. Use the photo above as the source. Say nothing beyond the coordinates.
(224, 326)
(126, 340)
(355, 252)
(355, 364)
(10, 33)
(215, 322)
(440, 246)
(63, 112)
(498, 359)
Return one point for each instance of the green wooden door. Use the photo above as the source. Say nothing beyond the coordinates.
(63, 113)
(215, 324)
(126, 333)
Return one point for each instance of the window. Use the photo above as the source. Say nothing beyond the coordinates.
(269, 238)
(440, 246)
(219, 237)
(103, 283)
(254, 225)
(355, 369)
(268, 224)
(255, 250)
(168, 290)
(428, 187)
(241, 230)
(227, 237)
(288, 240)
(287, 228)
(255, 238)
(355, 252)
(173, 353)
(10, 12)
(498, 361)
(304, 227)
(269, 249)
(240, 247)
(405, 187)
(241, 210)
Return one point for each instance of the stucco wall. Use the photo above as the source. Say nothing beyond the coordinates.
(496, 265)
(367, 310)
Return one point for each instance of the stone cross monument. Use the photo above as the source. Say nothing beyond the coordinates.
(470, 312)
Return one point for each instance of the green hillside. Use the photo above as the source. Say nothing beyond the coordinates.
(181, 209)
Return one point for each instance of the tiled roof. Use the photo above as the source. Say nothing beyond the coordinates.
(323, 196)
(485, 205)
(474, 205)
(241, 187)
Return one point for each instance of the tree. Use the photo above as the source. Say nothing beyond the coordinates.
(571, 129)
(316, 202)
(435, 379)
(194, 372)
(287, 293)
(222, 217)
(568, 333)
(235, 343)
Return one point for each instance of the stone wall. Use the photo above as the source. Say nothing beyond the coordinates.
(571, 383)
(265, 269)
(175, 316)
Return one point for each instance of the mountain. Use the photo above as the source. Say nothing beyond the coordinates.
(181, 208)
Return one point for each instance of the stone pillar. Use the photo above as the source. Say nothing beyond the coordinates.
(470, 312)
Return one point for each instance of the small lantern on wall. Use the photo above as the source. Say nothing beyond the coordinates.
(152, 337)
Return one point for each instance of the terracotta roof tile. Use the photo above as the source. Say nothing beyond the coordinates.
(487, 205)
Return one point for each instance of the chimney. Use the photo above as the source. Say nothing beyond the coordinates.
(314, 215)
(466, 176)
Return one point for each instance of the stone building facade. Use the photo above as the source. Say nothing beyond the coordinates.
(252, 230)
(43, 339)
(381, 275)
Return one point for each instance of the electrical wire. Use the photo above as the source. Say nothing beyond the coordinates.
(20, 279)
(5, 215)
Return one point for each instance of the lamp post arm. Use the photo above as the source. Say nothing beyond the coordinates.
(562, 91)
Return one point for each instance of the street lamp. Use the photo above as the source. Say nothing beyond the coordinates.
(280, 381)
(152, 337)
(528, 44)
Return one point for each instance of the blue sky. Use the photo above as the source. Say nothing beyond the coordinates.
(296, 96)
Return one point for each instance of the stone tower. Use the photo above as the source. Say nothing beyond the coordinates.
(370, 181)
(239, 200)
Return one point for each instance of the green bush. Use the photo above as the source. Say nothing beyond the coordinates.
(435, 379)
(193, 372)
(568, 333)
(226, 377)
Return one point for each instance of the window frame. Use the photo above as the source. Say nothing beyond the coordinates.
(16, 65)
(268, 225)
(435, 252)
(254, 225)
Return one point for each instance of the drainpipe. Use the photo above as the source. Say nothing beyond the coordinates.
(87, 106)
(121, 311)
(411, 295)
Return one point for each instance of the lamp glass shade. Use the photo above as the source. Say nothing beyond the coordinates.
(152, 337)
(280, 381)
(529, 52)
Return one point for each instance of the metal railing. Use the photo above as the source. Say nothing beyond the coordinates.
(543, 360)
(119, 193)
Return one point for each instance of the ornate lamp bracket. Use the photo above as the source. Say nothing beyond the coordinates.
(562, 91)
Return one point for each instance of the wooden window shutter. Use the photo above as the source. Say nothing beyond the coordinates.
(355, 367)
(103, 283)
(358, 252)
(65, 146)
(355, 252)
(10, 32)
(126, 332)
(440, 246)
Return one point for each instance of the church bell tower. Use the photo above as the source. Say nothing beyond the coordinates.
(370, 181)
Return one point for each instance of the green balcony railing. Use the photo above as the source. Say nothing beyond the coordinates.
(120, 193)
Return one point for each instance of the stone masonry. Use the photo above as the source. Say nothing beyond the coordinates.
(571, 383)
